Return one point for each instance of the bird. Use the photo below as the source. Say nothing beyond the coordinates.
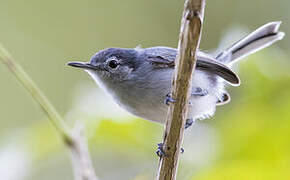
(140, 79)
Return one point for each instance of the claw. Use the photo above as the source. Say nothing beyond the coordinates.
(160, 152)
(200, 92)
(189, 122)
(169, 99)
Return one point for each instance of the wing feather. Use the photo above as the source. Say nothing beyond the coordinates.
(163, 57)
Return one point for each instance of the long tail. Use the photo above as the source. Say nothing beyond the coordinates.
(257, 40)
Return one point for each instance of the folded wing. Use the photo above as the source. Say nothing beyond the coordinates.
(163, 57)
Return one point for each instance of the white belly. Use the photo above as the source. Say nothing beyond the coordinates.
(148, 103)
(200, 107)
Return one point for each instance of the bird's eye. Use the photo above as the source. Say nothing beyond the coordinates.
(113, 64)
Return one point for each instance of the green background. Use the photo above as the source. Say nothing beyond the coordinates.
(246, 139)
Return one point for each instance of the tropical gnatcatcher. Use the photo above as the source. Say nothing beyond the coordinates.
(139, 80)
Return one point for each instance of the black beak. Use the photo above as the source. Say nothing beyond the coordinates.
(83, 65)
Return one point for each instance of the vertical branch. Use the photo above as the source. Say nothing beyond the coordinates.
(73, 139)
(80, 155)
(189, 38)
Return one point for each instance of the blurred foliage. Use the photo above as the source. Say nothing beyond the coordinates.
(255, 133)
(247, 139)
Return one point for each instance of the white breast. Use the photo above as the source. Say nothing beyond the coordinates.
(148, 103)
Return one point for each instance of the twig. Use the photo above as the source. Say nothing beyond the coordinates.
(75, 140)
(81, 160)
(189, 38)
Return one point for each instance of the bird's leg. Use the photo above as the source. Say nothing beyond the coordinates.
(199, 92)
(189, 122)
(169, 99)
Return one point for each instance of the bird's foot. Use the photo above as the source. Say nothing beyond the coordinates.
(161, 153)
(200, 92)
(189, 122)
(169, 99)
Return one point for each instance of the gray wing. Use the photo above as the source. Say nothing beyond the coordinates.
(163, 57)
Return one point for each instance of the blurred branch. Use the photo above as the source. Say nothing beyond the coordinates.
(81, 160)
(74, 140)
(189, 38)
(35, 92)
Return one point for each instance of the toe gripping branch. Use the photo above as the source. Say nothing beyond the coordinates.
(169, 99)
(189, 122)
(160, 151)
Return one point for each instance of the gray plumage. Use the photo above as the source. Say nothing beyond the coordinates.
(139, 79)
